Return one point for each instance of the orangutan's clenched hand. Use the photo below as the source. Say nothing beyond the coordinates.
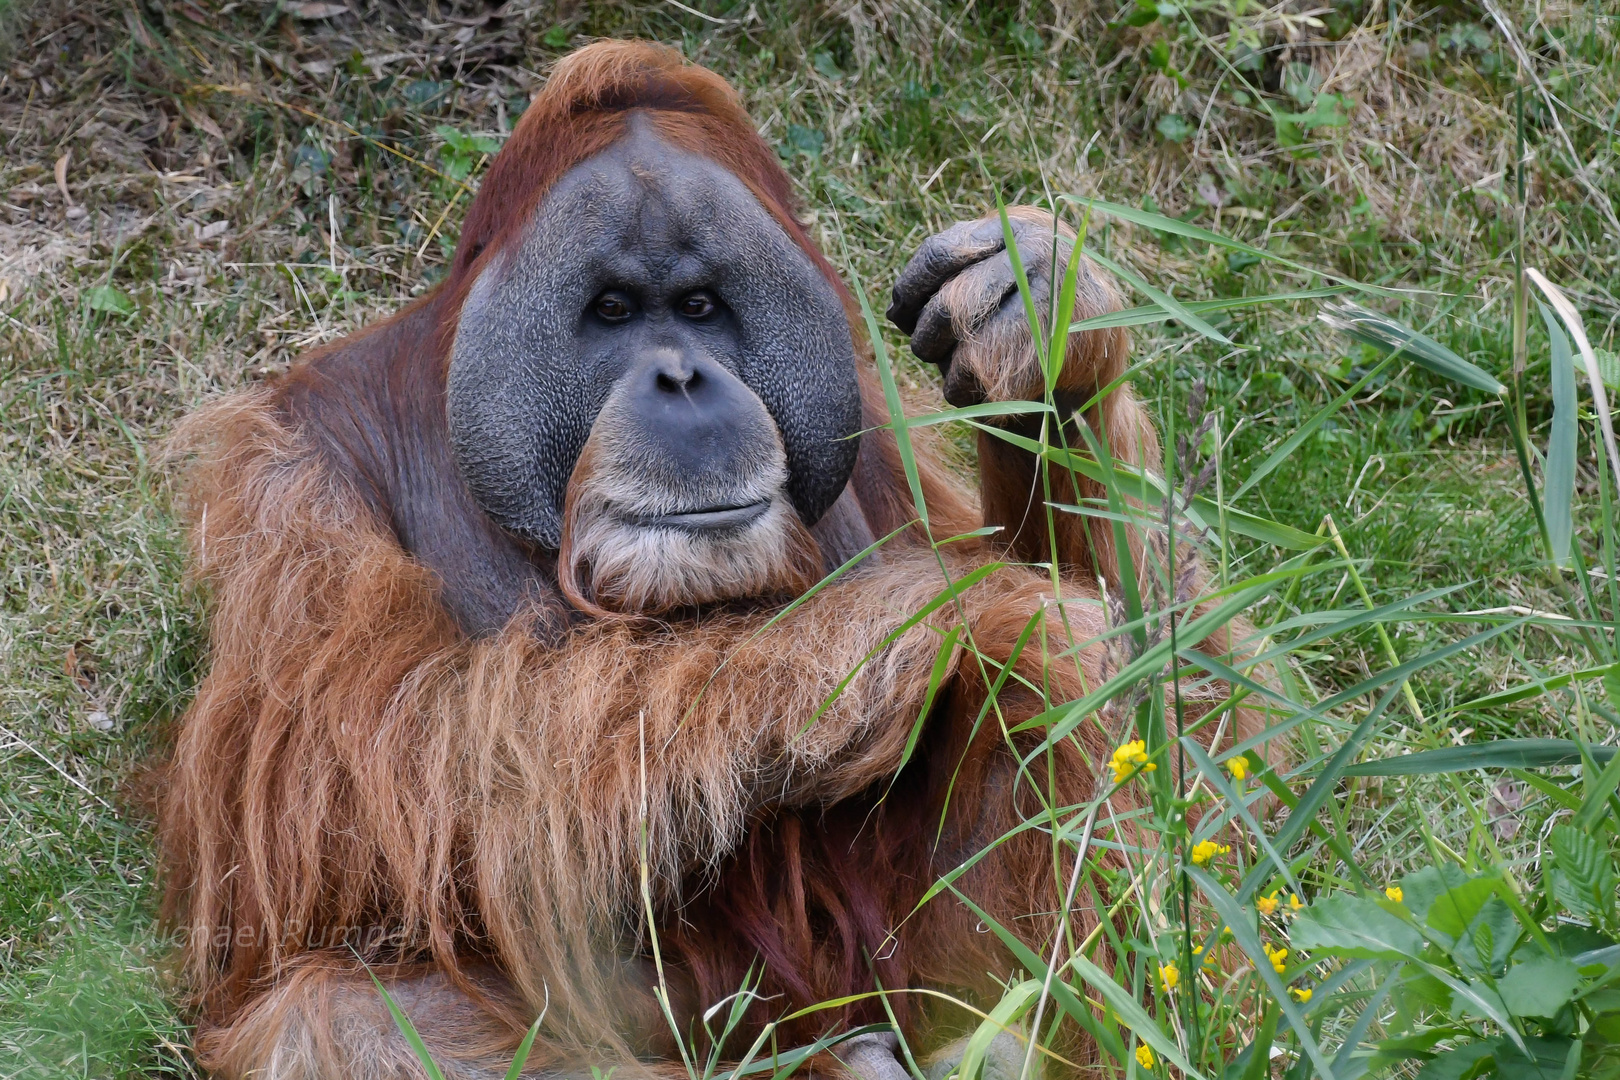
(958, 299)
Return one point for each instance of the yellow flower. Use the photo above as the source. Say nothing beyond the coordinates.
(1395, 894)
(1144, 1056)
(1267, 904)
(1239, 767)
(1170, 975)
(1129, 760)
(1295, 903)
(1209, 961)
(1205, 850)
(1278, 958)
(1301, 994)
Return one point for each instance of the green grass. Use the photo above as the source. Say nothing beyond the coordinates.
(895, 121)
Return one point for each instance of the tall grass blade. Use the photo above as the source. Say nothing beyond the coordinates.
(1007, 1012)
(1495, 754)
(1153, 313)
(1324, 784)
(1077, 1010)
(407, 1029)
(522, 1057)
(1217, 780)
(1382, 332)
(1176, 308)
(1161, 223)
(1308, 428)
(1241, 923)
(1139, 484)
(1058, 348)
(1558, 490)
(1594, 373)
(1537, 688)
(1596, 802)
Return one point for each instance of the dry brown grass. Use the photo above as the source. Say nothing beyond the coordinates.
(210, 148)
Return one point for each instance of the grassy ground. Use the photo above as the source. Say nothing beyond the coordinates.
(192, 193)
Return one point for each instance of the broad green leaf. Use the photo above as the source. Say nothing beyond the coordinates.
(110, 299)
(1421, 888)
(1495, 754)
(1558, 482)
(1382, 332)
(1345, 925)
(1539, 986)
(1491, 938)
(1473, 997)
(1547, 1059)
(1466, 1061)
(1454, 909)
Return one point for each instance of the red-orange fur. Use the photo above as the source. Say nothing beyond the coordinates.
(354, 760)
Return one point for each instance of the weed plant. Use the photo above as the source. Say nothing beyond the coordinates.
(1387, 441)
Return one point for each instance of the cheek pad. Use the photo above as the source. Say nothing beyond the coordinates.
(797, 352)
(519, 408)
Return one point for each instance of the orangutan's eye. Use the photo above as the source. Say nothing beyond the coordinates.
(613, 306)
(697, 305)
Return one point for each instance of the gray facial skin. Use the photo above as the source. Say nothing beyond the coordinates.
(649, 225)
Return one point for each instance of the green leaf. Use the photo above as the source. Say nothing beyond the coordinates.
(1558, 477)
(1539, 987)
(1107, 1035)
(1584, 881)
(1467, 1061)
(1174, 127)
(1255, 1059)
(1421, 888)
(1491, 937)
(1548, 1059)
(109, 299)
(1495, 754)
(1346, 925)
(1305, 431)
(1171, 225)
(1454, 909)
(1382, 332)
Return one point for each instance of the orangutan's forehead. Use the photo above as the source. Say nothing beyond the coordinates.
(645, 191)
